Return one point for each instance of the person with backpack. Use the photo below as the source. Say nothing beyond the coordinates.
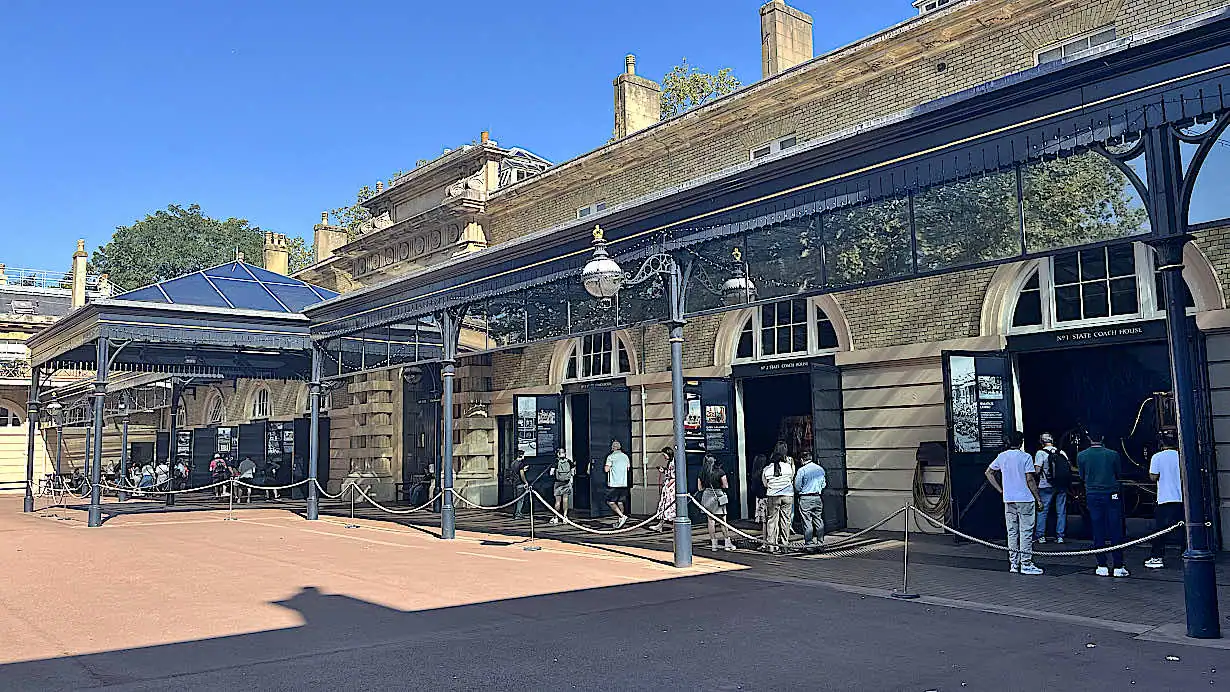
(713, 488)
(563, 471)
(1054, 478)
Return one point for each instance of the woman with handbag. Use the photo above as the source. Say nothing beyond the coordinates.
(666, 500)
(713, 485)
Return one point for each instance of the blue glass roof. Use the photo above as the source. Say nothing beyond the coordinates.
(236, 285)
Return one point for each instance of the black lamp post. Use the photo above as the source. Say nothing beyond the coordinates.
(603, 278)
(56, 410)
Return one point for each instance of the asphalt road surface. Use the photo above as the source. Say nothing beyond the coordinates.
(716, 632)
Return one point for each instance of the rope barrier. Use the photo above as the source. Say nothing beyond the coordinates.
(475, 505)
(153, 491)
(377, 505)
(599, 532)
(271, 487)
(1063, 553)
(790, 546)
(325, 493)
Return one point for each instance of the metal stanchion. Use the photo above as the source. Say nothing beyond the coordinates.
(230, 501)
(352, 525)
(904, 593)
(531, 546)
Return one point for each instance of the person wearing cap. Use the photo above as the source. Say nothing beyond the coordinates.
(1052, 486)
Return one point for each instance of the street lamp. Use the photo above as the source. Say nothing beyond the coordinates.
(56, 410)
(122, 495)
(738, 289)
(603, 278)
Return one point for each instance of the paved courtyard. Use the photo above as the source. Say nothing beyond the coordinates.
(192, 600)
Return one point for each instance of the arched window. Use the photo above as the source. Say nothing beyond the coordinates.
(596, 356)
(9, 417)
(260, 403)
(215, 409)
(1089, 287)
(786, 329)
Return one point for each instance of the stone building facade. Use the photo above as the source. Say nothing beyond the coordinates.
(887, 341)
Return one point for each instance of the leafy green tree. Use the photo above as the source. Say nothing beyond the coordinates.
(302, 253)
(172, 242)
(686, 87)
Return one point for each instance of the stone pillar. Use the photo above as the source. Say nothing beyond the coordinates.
(785, 37)
(327, 238)
(79, 275)
(638, 101)
(277, 255)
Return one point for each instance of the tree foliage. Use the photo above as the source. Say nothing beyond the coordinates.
(172, 242)
(686, 87)
(302, 253)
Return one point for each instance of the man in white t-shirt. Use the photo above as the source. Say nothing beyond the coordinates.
(1164, 470)
(618, 466)
(1018, 482)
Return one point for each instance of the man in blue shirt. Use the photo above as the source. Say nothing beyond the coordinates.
(1101, 469)
(809, 483)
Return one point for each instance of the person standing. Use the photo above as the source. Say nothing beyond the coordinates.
(247, 474)
(761, 512)
(778, 478)
(714, 497)
(521, 484)
(617, 468)
(1164, 470)
(809, 483)
(1101, 469)
(563, 471)
(666, 500)
(1018, 483)
(1054, 476)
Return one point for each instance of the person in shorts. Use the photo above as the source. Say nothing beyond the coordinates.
(563, 472)
(714, 497)
(618, 467)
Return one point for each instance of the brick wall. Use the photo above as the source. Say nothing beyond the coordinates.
(706, 145)
(919, 311)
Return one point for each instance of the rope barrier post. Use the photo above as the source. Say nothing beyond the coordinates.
(532, 546)
(904, 593)
(352, 525)
(230, 500)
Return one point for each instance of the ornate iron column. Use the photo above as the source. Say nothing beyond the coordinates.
(313, 501)
(450, 326)
(683, 520)
(102, 358)
(177, 390)
(32, 413)
(123, 479)
(1169, 190)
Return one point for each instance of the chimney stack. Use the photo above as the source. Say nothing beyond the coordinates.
(79, 275)
(327, 238)
(638, 101)
(484, 137)
(277, 254)
(785, 37)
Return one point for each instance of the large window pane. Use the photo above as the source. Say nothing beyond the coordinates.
(785, 259)
(968, 222)
(505, 319)
(867, 243)
(644, 302)
(1095, 300)
(1077, 200)
(585, 312)
(1067, 303)
(713, 263)
(546, 309)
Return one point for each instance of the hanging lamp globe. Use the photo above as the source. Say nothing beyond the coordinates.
(602, 276)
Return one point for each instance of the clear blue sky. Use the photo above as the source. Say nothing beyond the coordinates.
(275, 111)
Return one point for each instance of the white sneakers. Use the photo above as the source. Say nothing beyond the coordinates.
(620, 524)
(554, 520)
(1119, 572)
(1154, 563)
(1042, 539)
(1031, 569)
(729, 545)
(1102, 572)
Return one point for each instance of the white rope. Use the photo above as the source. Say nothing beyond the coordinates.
(152, 490)
(475, 505)
(790, 546)
(1063, 553)
(381, 507)
(600, 532)
(326, 494)
(271, 487)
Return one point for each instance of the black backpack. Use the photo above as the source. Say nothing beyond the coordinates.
(1058, 470)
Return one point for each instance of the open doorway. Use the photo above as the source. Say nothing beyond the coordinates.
(1112, 389)
(578, 407)
(775, 407)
